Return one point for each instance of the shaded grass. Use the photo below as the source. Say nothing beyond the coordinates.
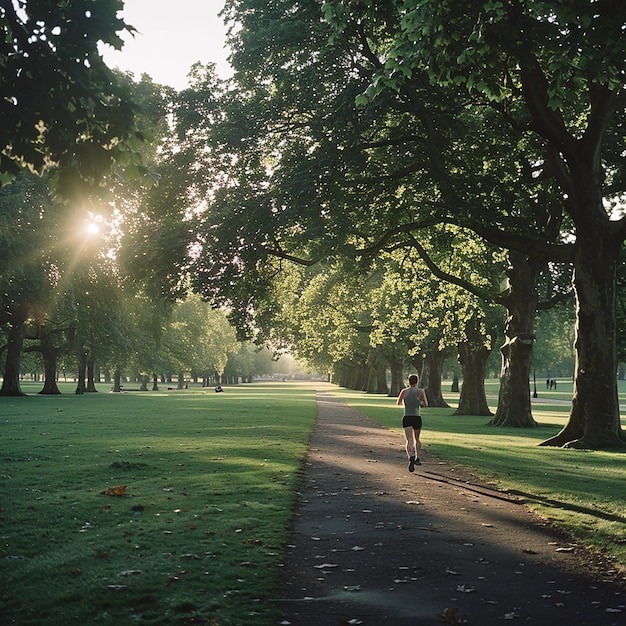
(580, 490)
(211, 480)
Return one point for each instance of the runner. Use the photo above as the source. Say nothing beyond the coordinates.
(413, 398)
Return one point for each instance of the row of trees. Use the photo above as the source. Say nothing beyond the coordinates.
(66, 301)
(353, 130)
(367, 142)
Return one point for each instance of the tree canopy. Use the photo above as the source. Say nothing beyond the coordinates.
(61, 106)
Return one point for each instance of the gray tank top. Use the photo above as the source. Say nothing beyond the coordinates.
(411, 402)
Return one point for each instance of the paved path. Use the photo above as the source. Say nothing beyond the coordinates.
(373, 544)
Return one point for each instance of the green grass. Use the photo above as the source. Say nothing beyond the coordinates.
(211, 483)
(211, 480)
(581, 491)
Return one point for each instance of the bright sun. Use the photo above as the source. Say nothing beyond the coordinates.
(93, 228)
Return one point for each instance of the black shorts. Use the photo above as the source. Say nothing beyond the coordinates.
(412, 420)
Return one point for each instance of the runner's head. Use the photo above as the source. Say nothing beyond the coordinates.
(413, 380)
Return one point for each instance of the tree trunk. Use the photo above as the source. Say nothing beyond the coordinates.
(155, 382)
(454, 388)
(91, 379)
(397, 382)
(117, 381)
(49, 355)
(370, 384)
(144, 383)
(473, 359)
(381, 378)
(181, 381)
(82, 371)
(594, 420)
(434, 365)
(521, 302)
(15, 343)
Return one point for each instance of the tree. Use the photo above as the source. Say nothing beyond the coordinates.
(314, 177)
(28, 276)
(199, 339)
(60, 104)
(555, 70)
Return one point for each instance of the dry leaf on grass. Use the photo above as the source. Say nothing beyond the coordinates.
(120, 490)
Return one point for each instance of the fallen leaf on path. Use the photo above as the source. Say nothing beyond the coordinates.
(326, 566)
(449, 616)
(464, 589)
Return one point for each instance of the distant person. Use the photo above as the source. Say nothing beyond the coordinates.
(413, 398)
(218, 388)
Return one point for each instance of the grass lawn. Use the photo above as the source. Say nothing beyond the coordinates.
(211, 481)
(583, 491)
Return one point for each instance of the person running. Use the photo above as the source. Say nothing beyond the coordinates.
(413, 398)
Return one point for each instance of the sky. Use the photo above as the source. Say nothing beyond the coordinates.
(171, 37)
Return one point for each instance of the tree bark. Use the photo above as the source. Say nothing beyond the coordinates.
(473, 359)
(15, 342)
(514, 398)
(594, 420)
(49, 355)
(434, 364)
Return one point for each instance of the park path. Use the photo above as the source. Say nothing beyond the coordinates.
(373, 544)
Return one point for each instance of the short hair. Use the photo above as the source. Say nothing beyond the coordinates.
(413, 379)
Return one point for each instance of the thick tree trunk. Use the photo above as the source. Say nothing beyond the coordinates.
(434, 364)
(15, 343)
(594, 420)
(155, 382)
(49, 355)
(473, 359)
(181, 381)
(521, 302)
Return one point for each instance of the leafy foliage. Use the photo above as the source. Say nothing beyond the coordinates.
(60, 103)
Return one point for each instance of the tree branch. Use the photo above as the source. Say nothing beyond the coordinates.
(450, 278)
